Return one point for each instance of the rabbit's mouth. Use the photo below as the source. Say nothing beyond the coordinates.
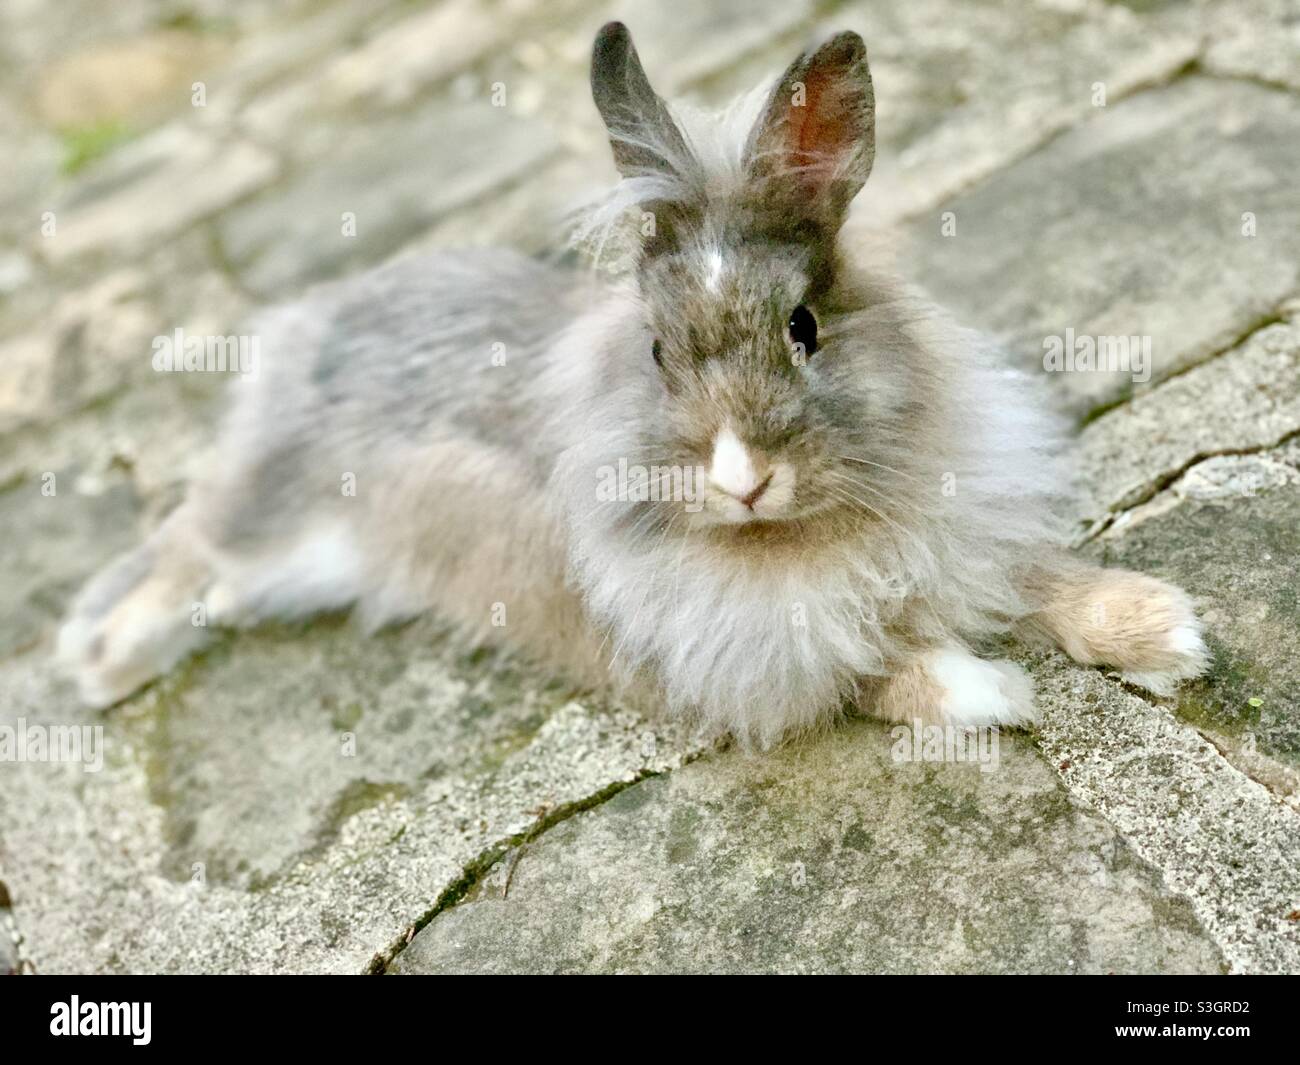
(765, 497)
(744, 485)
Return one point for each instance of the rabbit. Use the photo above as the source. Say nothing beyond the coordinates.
(835, 493)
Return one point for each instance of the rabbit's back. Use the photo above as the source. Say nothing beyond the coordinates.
(422, 347)
(365, 378)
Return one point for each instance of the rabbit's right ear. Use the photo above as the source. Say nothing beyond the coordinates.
(645, 139)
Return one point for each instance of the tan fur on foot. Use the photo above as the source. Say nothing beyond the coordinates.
(950, 685)
(1144, 627)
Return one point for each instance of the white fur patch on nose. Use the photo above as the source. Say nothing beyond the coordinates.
(732, 467)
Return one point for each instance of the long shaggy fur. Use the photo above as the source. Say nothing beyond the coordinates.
(770, 633)
(473, 401)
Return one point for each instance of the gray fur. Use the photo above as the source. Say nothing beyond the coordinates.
(477, 484)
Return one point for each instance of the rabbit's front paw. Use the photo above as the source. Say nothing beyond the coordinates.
(951, 686)
(976, 692)
(1144, 627)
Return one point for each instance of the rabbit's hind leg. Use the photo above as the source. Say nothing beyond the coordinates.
(156, 605)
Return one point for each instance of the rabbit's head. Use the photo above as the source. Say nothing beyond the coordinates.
(748, 360)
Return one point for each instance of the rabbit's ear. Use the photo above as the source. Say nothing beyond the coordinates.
(812, 148)
(645, 139)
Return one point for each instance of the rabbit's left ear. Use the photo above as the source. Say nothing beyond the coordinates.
(812, 148)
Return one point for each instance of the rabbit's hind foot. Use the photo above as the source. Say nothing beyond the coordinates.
(135, 620)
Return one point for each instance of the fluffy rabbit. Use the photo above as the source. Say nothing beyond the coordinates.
(844, 490)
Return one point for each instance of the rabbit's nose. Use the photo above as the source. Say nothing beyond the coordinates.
(752, 498)
(737, 470)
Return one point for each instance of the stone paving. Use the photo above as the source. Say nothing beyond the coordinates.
(302, 799)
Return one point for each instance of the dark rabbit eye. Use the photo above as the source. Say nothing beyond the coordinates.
(803, 329)
(657, 349)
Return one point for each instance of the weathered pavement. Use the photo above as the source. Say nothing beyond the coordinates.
(306, 800)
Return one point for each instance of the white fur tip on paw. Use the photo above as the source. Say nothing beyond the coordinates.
(1186, 640)
(1188, 658)
(981, 693)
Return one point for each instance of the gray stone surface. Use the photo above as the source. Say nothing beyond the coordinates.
(79, 351)
(1258, 39)
(702, 40)
(231, 828)
(153, 188)
(395, 178)
(157, 429)
(1231, 538)
(953, 109)
(124, 80)
(827, 857)
(56, 529)
(1108, 231)
(1247, 399)
(1221, 839)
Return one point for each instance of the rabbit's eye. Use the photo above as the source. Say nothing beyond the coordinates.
(657, 351)
(803, 329)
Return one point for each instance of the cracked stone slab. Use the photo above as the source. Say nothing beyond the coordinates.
(951, 111)
(1246, 399)
(1220, 839)
(394, 178)
(294, 802)
(825, 857)
(153, 188)
(1251, 39)
(1133, 223)
(1229, 533)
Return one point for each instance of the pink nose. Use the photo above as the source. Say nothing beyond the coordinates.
(752, 498)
